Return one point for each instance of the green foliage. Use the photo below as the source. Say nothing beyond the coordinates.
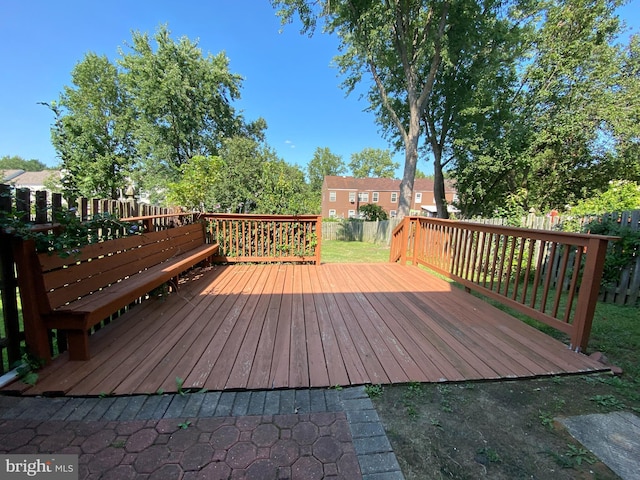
(619, 196)
(160, 105)
(180, 386)
(373, 391)
(579, 455)
(622, 253)
(607, 402)
(512, 209)
(283, 190)
(560, 135)
(16, 162)
(490, 454)
(373, 163)
(397, 44)
(194, 189)
(92, 132)
(373, 212)
(238, 186)
(546, 419)
(27, 368)
(71, 233)
(324, 163)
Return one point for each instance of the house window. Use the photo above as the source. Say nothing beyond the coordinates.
(375, 196)
(332, 196)
(363, 197)
(392, 213)
(332, 213)
(352, 197)
(418, 197)
(394, 197)
(352, 213)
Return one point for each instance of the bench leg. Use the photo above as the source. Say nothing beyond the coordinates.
(78, 344)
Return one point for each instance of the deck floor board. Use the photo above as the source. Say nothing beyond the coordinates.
(297, 326)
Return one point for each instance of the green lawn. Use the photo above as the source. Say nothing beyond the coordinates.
(336, 251)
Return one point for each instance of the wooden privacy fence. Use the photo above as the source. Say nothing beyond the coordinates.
(552, 277)
(379, 232)
(266, 238)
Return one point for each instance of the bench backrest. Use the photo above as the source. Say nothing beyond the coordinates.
(99, 265)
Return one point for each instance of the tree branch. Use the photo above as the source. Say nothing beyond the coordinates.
(437, 58)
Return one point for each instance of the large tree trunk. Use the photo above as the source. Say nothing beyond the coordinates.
(438, 185)
(410, 161)
(408, 178)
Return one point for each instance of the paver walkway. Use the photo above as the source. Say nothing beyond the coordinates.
(287, 434)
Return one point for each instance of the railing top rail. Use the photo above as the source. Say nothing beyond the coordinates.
(151, 217)
(547, 235)
(254, 216)
(397, 228)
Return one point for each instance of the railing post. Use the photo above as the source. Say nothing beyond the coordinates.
(406, 224)
(32, 294)
(588, 296)
(417, 241)
(319, 239)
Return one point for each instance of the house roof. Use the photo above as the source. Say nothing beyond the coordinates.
(28, 179)
(380, 184)
(8, 175)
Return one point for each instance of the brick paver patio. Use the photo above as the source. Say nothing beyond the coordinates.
(279, 435)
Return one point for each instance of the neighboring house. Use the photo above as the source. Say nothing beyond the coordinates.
(32, 180)
(343, 196)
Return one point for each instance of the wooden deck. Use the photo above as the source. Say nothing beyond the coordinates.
(298, 326)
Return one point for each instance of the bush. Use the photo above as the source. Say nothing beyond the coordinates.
(372, 212)
(621, 254)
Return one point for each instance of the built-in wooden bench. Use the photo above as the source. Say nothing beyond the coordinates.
(77, 292)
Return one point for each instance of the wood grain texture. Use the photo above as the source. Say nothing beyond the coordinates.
(300, 326)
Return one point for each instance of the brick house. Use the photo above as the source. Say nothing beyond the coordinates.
(342, 196)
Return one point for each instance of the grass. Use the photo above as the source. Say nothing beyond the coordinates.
(337, 251)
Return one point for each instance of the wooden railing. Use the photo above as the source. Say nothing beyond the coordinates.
(266, 238)
(552, 277)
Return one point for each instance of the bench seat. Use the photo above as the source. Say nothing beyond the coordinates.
(77, 292)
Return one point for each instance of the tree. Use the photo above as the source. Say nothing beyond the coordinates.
(373, 162)
(283, 190)
(238, 187)
(467, 104)
(182, 101)
(569, 89)
(16, 162)
(145, 116)
(195, 188)
(421, 174)
(92, 132)
(372, 212)
(624, 124)
(324, 163)
(556, 135)
(380, 39)
(620, 196)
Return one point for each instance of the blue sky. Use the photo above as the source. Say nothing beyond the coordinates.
(288, 77)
